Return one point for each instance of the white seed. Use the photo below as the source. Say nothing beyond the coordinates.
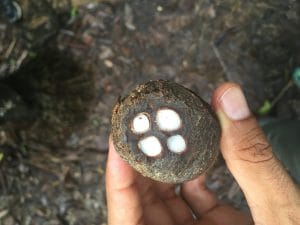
(168, 120)
(150, 146)
(176, 144)
(140, 124)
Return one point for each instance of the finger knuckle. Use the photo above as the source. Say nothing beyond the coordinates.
(254, 147)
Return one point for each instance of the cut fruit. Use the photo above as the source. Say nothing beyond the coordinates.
(150, 146)
(168, 120)
(166, 132)
(176, 144)
(140, 124)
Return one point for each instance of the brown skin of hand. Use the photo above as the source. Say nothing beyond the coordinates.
(272, 196)
(135, 200)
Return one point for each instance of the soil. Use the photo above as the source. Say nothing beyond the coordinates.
(55, 106)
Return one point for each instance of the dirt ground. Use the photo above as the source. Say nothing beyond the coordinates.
(54, 154)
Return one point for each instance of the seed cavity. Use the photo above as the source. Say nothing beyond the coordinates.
(176, 144)
(140, 123)
(168, 120)
(150, 146)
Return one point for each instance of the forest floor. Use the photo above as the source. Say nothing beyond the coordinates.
(52, 171)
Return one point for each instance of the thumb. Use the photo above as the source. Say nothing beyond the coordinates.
(250, 159)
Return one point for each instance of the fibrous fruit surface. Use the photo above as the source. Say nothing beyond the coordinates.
(166, 132)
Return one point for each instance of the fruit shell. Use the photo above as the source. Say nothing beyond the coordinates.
(200, 128)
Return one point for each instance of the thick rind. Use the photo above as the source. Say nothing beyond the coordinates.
(200, 129)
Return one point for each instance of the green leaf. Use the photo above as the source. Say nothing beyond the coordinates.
(296, 76)
(1, 156)
(73, 12)
(265, 108)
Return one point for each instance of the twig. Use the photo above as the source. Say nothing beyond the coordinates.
(10, 48)
(281, 93)
(21, 58)
(221, 61)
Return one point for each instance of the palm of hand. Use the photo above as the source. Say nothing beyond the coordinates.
(143, 201)
(196, 205)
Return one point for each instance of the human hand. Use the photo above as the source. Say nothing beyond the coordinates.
(272, 196)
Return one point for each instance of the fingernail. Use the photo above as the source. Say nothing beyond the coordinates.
(234, 104)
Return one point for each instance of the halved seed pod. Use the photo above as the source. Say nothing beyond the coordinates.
(166, 132)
